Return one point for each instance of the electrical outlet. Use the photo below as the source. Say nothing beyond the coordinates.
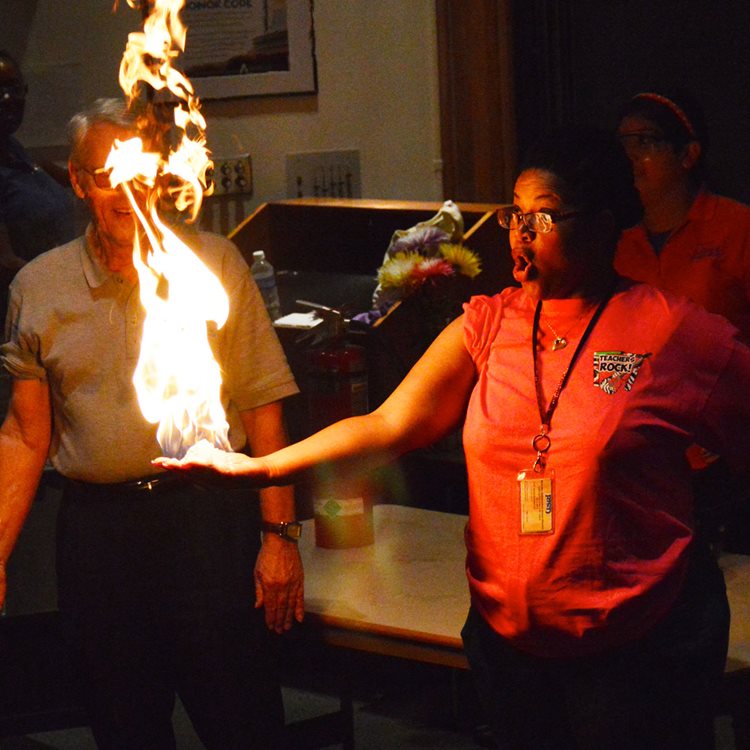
(232, 175)
(323, 174)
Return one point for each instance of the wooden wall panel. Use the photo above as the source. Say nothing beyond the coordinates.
(478, 138)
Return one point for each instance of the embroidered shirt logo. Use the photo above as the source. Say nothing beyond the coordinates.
(614, 370)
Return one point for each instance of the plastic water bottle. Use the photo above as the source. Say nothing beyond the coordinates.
(265, 278)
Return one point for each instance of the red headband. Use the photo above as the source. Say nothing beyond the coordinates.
(673, 108)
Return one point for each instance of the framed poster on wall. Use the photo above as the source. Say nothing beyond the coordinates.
(238, 48)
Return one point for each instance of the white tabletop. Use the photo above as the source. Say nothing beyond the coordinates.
(737, 577)
(410, 585)
(410, 582)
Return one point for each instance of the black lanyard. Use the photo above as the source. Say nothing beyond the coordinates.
(541, 442)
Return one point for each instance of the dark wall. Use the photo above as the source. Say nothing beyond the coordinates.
(581, 59)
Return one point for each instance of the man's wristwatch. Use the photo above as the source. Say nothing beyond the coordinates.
(289, 530)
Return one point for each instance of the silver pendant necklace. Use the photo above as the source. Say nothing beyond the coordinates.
(561, 341)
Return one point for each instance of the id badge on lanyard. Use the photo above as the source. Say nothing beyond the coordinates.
(536, 494)
(536, 486)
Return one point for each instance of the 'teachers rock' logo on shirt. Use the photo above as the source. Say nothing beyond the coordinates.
(613, 370)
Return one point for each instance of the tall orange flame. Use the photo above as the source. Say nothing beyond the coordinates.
(148, 60)
(177, 379)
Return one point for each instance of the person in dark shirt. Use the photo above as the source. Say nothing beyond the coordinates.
(36, 207)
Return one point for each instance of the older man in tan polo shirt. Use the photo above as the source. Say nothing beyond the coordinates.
(163, 585)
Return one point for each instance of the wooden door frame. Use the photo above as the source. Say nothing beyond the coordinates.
(477, 105)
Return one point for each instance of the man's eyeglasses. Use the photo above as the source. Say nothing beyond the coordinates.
(642, 144)
(541, 222)
(102, 177)
(15, 91)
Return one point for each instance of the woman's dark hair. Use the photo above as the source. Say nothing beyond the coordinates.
(678, 116)
(593, 172)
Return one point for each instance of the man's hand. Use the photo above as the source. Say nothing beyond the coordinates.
(279, 583)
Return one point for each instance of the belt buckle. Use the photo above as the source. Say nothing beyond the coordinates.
(148, 485)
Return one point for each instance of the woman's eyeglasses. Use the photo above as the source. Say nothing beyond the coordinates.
(541, 222)
(642, 144)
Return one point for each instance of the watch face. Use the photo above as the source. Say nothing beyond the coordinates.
(293, 530)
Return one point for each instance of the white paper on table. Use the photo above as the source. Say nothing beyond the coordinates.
(303, 321)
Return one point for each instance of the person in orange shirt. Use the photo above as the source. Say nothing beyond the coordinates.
(690, 241)
(693, 243)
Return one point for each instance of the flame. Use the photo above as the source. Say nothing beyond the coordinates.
(177, 379)
(148, 60)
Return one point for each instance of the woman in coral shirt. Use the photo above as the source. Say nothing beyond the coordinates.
(596, 619)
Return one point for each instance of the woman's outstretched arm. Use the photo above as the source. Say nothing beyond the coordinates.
(428, 403)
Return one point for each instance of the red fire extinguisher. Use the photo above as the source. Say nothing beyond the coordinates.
(336, 373)
(336, 384)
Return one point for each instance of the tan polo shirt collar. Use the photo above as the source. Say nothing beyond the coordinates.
(95, 273)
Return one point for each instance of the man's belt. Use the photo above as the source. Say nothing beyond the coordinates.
(143, 487)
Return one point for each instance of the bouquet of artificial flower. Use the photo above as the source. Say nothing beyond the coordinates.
(428, 266)
(433, 285)
(409, 269)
